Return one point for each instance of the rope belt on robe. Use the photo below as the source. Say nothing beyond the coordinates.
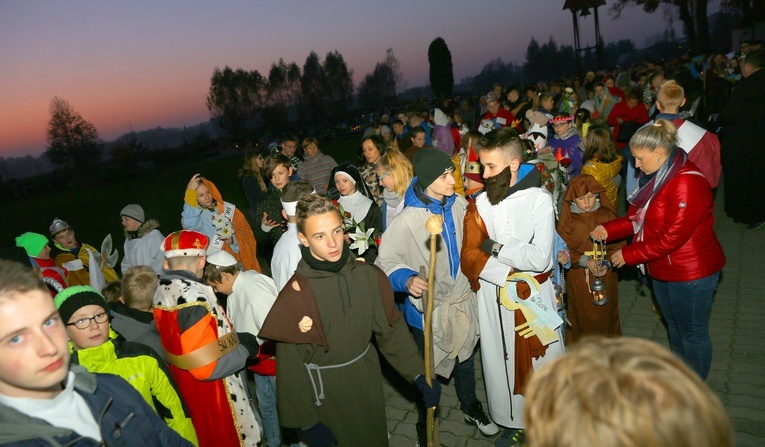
(310, 367)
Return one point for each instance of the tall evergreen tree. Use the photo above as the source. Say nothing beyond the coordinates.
(339, 85)
(312, 86)
(441, 69)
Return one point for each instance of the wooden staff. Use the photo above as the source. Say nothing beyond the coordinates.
(434, 226)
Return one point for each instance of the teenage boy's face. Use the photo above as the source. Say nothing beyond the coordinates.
(94, 335)
(34, 356)
(494, 162)
(289, 147)
(66, 239)
(281, 176)
(442, 187)
(323, 235)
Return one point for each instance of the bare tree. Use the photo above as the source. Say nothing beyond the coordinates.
(72, 141)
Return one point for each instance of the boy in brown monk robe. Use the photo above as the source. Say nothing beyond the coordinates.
(328, 378)
(586, 206)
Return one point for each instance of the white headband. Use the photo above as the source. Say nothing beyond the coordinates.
(343, 173)
(291, 207)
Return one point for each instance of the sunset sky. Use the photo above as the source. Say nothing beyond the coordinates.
(141, 64)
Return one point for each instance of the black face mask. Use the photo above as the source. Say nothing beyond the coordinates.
(498, 186)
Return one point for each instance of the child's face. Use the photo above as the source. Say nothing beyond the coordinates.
(66, 239)
(586, 202)
(288, 148)
(547, 103)
(203, 196)
(44, 253)
(344, 185)
(34, 356)
(561, 128)
(95, 334)
(281, 176)
(323, 235)
(226, 284)
(418, 140)
(130, 224)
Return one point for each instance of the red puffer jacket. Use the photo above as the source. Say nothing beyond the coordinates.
(679, 242)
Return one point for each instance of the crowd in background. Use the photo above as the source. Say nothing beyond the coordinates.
(629, 159)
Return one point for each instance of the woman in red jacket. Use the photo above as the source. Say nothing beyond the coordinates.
(671, 216)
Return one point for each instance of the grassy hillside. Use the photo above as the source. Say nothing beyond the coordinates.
(94, 212)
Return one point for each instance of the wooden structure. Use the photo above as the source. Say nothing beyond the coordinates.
(583, 8)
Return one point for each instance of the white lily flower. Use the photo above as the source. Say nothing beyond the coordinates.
(219, 221)
(361, 239)
(227, 231)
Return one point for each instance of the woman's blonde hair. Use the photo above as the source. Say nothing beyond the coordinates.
(400, 167)
(622, 392)
(662, 133)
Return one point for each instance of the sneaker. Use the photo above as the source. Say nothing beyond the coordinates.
(422, 435)
(476, 416)
(755, 226)
(519, 437)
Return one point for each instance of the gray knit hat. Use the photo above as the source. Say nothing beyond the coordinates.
(134, 212)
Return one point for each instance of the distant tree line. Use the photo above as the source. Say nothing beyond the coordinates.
(320, 94)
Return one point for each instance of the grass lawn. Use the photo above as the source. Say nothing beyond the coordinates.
(94, 212)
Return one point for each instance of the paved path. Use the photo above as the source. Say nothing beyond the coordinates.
(738, 364)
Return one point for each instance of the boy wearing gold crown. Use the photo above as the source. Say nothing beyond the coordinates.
(205, 355)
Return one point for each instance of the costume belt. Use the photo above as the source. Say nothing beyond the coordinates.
(523, 289)
(206, 354)
(310, 367)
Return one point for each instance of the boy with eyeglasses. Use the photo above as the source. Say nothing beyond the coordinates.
(85, 315)
(44, 399)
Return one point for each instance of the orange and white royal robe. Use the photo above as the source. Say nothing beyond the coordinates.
(189, 317)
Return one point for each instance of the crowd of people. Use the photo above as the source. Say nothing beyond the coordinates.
(541, 193)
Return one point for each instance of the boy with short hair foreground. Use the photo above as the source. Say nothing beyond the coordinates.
(42, 398)
(329, 382)
(622, 392)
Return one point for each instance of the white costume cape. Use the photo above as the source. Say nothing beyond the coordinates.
(286, 257)
(251, 299)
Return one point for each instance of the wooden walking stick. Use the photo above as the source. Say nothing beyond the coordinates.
(434, 226)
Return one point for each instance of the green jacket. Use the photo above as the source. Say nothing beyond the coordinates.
(147, 373)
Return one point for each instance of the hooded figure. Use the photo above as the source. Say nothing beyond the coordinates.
(586, 205)
(442, 133)
(242, 240)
